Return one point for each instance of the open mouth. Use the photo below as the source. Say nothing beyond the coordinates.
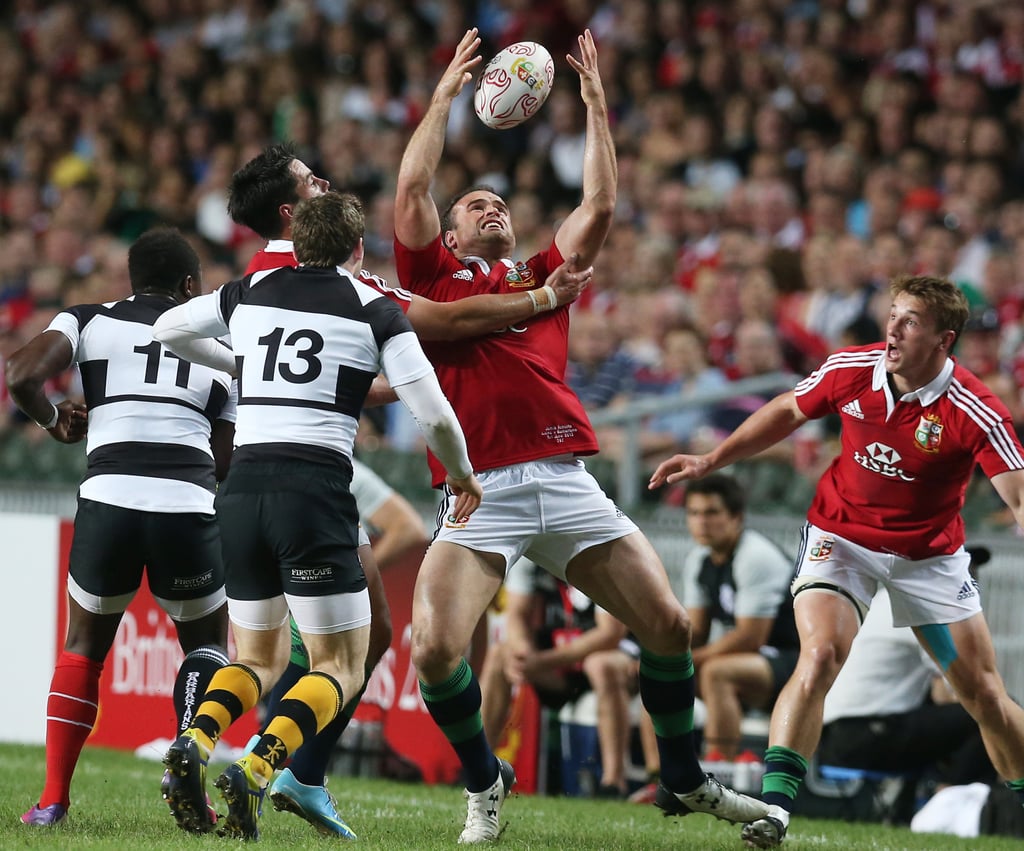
(891, 352)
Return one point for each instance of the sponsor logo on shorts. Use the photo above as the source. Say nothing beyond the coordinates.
(312, 574)
(967, 590)
(928, 433)
(883, 460)
(186, 582)
(821, 550)
(453, 522)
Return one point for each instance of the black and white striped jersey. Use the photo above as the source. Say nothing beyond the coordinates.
(150, 413)
(308, 343)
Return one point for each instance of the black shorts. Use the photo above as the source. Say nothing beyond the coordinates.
(289, 527)
(112, 545)
(782, 663)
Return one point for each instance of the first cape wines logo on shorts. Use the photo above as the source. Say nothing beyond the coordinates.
(312, 574)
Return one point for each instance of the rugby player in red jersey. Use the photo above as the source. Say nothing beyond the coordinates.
(887, 511)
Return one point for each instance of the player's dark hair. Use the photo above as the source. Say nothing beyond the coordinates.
(719, 484)
(946, 302)
(260, 187)
(446, 217)
(159, 260)
(326, 229)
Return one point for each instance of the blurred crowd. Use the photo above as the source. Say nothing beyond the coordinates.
(779, 162)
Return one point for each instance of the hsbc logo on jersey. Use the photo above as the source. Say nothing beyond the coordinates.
(883, 460)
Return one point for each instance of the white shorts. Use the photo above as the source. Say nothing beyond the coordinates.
(935, 590)
(313, 615)
(549, 510)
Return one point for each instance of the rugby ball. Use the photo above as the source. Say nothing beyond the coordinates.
(514, 85)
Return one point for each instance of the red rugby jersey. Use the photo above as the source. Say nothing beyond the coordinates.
(898, 483)
(507, 388)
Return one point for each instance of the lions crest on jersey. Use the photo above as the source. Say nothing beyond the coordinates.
(519, 275)
(928, 433)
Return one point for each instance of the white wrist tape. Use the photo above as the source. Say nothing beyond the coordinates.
(543, 298)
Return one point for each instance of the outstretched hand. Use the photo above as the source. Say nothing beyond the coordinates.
(72, 422)
(679, 468)
(586, 66)
(567, 281)
(458, 72)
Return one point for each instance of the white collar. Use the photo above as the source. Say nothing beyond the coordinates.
(926, 395)
(482, 264)
(280, 246)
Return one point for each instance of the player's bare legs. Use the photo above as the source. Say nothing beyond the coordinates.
(626, 577)
(453, 589)
(827, 624)
(979, 686)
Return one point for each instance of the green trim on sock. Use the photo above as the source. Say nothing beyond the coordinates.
(778, 753)
(455, 684)
(666, 669)
(675, 724)
(1016, 785)
(463, 730)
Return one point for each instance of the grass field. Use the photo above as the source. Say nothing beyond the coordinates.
(116, 805)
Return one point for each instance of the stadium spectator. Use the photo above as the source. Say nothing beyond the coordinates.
(887, 512)
(158, 441)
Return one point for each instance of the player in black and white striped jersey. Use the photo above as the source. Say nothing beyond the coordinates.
(147, 496)
(307, 344)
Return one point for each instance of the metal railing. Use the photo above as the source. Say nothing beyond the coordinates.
(633, 416)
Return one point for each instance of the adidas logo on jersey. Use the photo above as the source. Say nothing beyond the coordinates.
(967, 590)
(463, 275)
(853, 409)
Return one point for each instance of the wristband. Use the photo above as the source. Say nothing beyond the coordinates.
(547, 299)
(53, 419)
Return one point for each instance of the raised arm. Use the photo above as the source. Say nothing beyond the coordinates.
(483, 314)
(765, 427)
(585, 228)
(28, 369)
(416, 219)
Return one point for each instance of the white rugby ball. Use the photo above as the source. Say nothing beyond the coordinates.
(514, 85)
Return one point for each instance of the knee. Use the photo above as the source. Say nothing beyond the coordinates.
(667, 631)
(818, 666)
(984, 697)
(433, 655)
(713, 674)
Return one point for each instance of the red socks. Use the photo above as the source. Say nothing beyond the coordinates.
(70, 715)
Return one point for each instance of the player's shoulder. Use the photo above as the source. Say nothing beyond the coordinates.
(132, 309)
(383, 287)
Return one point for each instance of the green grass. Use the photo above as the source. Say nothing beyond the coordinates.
(117, 805)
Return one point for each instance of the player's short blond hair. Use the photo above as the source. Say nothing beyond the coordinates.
(945, 301)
